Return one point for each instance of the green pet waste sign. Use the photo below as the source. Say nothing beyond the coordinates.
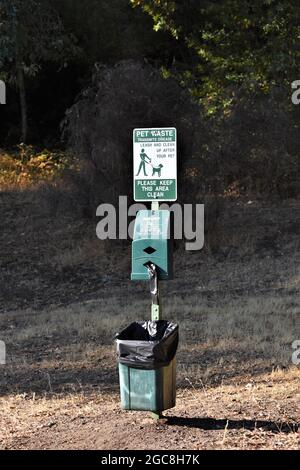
(155, 164)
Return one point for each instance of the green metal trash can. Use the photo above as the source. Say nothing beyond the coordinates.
(147, 365)
(148, 390)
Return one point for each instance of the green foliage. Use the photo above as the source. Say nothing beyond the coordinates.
(31, 32)
(254, 44)
(235, 57)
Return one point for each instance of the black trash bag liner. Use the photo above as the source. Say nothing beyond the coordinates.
(148, 344)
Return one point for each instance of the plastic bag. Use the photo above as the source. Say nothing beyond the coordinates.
(148, 344)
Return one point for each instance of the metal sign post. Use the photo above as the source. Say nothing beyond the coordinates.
(156, 313)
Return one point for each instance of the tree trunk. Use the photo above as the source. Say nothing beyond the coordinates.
(23, 102)
(20, 77)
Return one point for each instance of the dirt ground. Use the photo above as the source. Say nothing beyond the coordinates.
(261, 414)
(236, 302)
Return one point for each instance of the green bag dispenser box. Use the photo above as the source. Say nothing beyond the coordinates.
(151, 244)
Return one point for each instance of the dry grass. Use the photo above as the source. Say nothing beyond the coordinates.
(62, 299)
(27, 167)
(237, 387)
(231, 340)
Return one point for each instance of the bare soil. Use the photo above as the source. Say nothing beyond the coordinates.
(261, 414)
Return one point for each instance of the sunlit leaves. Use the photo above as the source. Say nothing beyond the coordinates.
(249, 43)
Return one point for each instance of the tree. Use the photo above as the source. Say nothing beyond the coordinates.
(253, 43)
(113, 31)
(31, 33)
(100, 124)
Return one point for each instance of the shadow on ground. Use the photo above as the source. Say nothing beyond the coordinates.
(250, 425)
